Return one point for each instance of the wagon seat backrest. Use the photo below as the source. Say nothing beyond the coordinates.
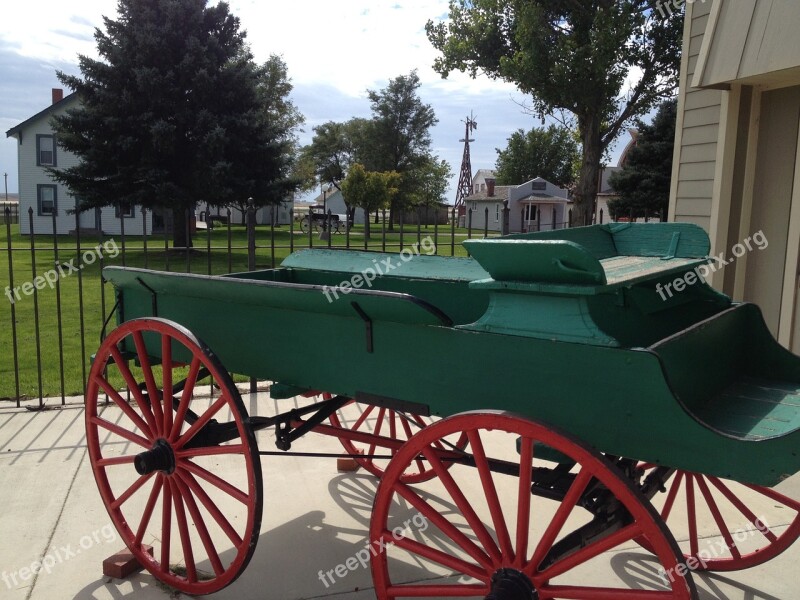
(706, 358)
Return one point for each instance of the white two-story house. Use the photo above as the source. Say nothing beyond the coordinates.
(38, 149)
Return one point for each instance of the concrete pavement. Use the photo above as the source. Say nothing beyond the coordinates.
(313, 520)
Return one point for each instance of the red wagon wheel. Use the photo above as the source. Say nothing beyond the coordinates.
(727, 526)
(388, 423)
(162, 483)
(503, 540)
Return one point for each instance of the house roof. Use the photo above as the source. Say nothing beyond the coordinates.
(545, 199)
(17, 131)
(501, 192)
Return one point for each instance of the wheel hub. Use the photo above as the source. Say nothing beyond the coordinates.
(510, 584)
(159, 458)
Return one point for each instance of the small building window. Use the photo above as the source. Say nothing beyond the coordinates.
(46, 200)
(45, 151)
(496, 213)
(127, 210)
(483, 187)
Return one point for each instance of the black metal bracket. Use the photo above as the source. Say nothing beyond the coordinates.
(153, 296)
(367, 323)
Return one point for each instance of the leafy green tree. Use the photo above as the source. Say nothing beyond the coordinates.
(172, 114)
(370, 190)
(280, 121)
(644, 182)
(549, 153)
(331, 151)
(576, 56)
(398, 136)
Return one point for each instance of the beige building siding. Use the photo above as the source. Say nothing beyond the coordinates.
(697, 135)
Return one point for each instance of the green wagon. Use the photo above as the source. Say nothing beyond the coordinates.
(553, 397)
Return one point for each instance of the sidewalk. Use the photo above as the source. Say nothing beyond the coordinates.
(314, 519)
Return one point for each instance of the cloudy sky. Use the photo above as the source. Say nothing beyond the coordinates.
(335, 51)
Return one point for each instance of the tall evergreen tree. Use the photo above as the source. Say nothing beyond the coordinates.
(644, 182)
(577, 56)
(172, 114)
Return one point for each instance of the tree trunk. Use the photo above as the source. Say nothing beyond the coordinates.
(367, 218)
(181, 238)
(391, 215)
(586, 189)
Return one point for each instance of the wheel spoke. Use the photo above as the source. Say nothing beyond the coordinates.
(121, 432)
(363, 417)
(445, 526)
(559, 519)
(148, 509)
(166, 372)
(147, 368)
(463, 505)
(498, 519)
(673, 492)
(117, 460)
(749, 514)
(125, 407)
(186, 399)
(166, 525)
(131, 490)
(591, 551)
(122, 365)
(524, 501)
(691, 514)
(210, 451)
(718, 518)
(214, 480)
(183, 530)
(461, 590)
(407, 429)
(211, 507)
(564, 592)
(201, 421)
(377, 432)
(435, 555)
(200, 524)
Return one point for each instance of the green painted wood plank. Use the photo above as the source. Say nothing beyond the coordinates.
(386, 264)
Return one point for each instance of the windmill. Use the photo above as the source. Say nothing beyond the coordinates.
(464, 188)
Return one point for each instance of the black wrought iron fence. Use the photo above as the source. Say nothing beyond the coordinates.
(55, 299)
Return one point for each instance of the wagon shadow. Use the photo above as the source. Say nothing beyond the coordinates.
(642, 572)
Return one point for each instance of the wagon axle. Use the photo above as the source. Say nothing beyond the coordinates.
(510, 584)
(159, 458)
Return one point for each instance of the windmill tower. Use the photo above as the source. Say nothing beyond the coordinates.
(464, 188)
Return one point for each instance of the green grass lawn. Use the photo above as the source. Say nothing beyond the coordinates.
(97, 298)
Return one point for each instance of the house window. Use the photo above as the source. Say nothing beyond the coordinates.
(496, 213)
(45, 151)
(46, 200)
(127, 211)
(539, 186)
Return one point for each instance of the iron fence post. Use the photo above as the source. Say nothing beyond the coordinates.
(12, 289)
(36, 307)
(59, 320)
